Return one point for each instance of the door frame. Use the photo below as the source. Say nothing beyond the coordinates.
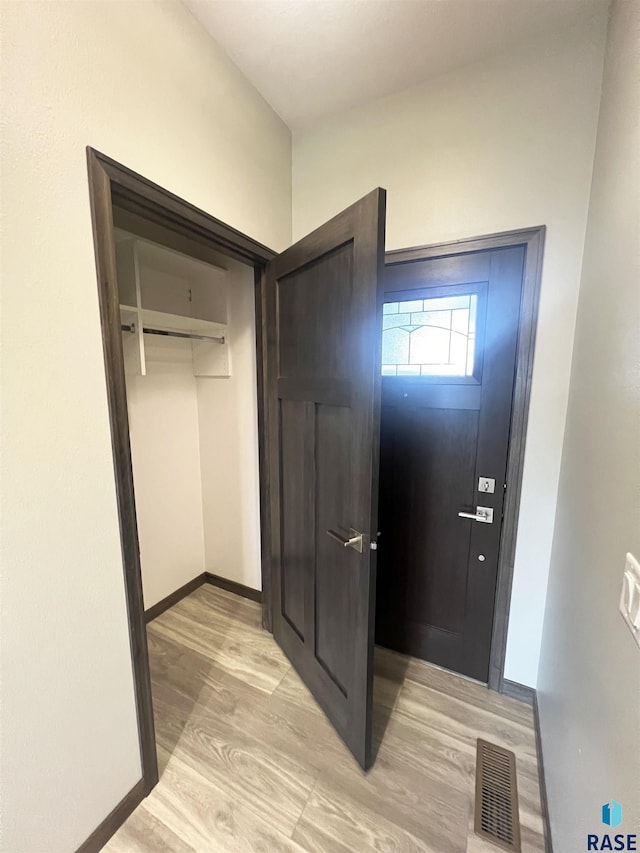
(532, 240)
(112, 184)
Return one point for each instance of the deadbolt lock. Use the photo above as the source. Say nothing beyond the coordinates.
(486, 485)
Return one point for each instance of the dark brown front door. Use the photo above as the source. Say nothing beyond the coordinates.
(324, 302)
(449, 349)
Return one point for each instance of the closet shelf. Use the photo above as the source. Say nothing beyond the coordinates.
(191, 301)
(178, 323)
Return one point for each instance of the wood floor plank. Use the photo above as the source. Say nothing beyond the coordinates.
(210, 818)
(249, 612)
(273, 786)
(440, 759)
(144, 833)
(529, 802)
(403, 796)
(393, 788)
(249, 762)
(190, 671)
(234, 626)
(433, 710)
(240, 611)
(395, 666)
(208, 690)
(251, 658)
(385, 691)
(301, 731)
(332, 825)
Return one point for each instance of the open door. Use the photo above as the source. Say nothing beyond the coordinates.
(324, 308)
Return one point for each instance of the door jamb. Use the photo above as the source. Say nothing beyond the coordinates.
(111, 183)
(532, 239)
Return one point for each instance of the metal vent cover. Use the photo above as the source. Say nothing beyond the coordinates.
(496, 810)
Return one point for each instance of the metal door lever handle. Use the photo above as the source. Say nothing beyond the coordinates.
(354, 540)
(482, 513)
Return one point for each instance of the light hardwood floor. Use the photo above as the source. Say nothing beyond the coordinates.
(248, 762)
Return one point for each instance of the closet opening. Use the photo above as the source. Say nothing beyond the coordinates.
(189, 344)
(181, 303)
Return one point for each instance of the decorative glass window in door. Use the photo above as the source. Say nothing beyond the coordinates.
(429, 337)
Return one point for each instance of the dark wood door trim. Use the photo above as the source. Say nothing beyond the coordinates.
(234, 587)
(114, 820)
(174, 597)
(102, 217)
(111, 184)
(533, 241)
(137, 194)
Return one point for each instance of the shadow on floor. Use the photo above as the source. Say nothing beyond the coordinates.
(175, 692)
(179, 675)
(389, 675)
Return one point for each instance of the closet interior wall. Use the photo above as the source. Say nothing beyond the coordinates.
(194, 438)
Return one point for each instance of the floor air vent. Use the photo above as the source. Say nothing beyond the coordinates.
(496, 812)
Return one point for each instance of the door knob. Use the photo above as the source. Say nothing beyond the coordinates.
(482, 513)
(353, 540)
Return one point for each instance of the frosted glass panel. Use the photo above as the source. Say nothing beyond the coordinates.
(429, 337)
(430, 345)
(391, 320)
(395, 346)
(460, 320)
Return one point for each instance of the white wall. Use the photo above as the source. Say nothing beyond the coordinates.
(589, 679)
(194, 447)
(228, 415)
(142, 82)
(505, 143)
(165, 452)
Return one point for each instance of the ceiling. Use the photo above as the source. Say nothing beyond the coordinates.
(312, 58)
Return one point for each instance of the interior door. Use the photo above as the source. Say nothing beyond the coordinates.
(449, 352)
(324, 305)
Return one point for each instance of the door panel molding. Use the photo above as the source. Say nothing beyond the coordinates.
(532, 239)
(323, 303)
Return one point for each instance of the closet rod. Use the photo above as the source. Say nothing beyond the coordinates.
(131, 327)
